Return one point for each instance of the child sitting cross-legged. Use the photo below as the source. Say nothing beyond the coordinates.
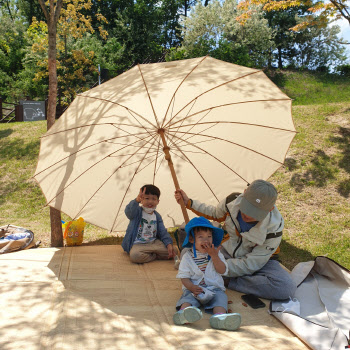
(201, 269)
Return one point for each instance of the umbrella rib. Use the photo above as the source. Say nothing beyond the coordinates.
(234, 143)
(155, 163)
(84, 148)
(159, 165)
(139, 122)
(149, 97)
(224, 122)
(209, 127)
(109, 155)
(129, 154)
(148, 164)
(180, 142)
(229, 104)
(184, 119)
(93, 124)
(122, 201)
(213, 88)
(120, 166)
(173, 97)
(211, 155)
(197, 172)
(124, 166)
(119, 143)
(116, 103)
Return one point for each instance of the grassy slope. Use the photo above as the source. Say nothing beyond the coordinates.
(314, 185)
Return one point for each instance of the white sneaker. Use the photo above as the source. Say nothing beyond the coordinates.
(229, 322)
(188, 315)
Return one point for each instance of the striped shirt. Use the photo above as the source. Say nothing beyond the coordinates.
(201, 261)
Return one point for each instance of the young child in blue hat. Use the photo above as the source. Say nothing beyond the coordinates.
(201, 269)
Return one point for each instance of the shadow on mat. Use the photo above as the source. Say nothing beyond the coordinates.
(102, 301)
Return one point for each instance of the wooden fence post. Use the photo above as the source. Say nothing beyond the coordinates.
(19, 113)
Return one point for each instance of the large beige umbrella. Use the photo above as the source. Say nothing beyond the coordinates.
(208, 126)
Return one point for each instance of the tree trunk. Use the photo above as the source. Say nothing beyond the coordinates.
(280, 65)
(52, 19)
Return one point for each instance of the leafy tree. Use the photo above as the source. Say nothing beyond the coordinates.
(12, 41)
(324, 10)
(318, 48)
(30, 9)
(107, 53)
(76, 68)
(292, 45)
(281, 21)
(143, 29)
(72, 24)
(213, 30)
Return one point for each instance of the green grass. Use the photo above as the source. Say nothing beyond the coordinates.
(312, 88)
(314, 184)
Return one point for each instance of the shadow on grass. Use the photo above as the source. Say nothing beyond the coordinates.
(322, 169)
(290, 163)
(5, 133)
(291, 255)
(17, 149)
(343, 143)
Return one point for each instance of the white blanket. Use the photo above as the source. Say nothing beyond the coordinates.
(324, 296)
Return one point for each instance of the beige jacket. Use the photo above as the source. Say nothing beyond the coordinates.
(247, 252)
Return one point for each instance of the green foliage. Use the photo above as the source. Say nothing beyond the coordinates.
(281, 21)
(30, 9)
(144, 30)
(318, 47)
(344, 70)
(213, 30)
(12, 41)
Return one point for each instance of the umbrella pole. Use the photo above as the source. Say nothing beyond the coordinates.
(173, 174)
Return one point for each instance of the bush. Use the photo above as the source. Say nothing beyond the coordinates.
(344, 70)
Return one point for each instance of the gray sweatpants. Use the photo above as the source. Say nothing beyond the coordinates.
(270, 282)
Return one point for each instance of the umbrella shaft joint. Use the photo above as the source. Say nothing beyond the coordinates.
(167, 153)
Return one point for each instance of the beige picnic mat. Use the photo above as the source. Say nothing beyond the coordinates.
(92, 297)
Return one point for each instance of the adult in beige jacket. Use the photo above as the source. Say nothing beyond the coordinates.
(254, 226)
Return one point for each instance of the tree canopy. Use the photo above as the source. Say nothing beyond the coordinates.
(108, 37)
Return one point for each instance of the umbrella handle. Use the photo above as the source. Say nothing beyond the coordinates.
(173, 174)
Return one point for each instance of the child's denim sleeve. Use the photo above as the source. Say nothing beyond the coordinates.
(163, 233)
(131, 209)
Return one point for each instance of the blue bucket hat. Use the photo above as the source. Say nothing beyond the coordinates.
(218, 233)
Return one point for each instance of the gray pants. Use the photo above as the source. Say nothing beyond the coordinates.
(270, 282)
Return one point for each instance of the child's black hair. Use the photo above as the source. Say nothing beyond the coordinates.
(151, 189)
(201, 228)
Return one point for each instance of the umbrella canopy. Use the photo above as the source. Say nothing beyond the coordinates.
(218, 125)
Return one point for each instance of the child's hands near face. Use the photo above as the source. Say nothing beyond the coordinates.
(210, 249)
(140, 196)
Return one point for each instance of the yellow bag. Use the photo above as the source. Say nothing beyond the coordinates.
(74, 232)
